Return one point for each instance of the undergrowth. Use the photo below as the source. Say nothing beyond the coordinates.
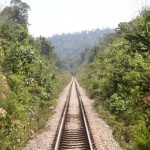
(118, 79)
(30, 79)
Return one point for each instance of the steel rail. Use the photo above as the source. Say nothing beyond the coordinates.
(84, 118)
(63, 120)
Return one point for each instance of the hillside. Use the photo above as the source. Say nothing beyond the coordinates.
(29, 78)
(115, 73)
(69, 47)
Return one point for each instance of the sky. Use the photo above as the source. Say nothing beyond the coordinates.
(49, 17)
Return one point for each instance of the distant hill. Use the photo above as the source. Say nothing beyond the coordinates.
(69, 47)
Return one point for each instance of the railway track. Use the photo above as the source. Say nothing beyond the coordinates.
(73, 131)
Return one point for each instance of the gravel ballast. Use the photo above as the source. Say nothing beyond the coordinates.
(44, 140)
(101, 132)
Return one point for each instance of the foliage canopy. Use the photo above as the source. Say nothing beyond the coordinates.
(117, 76)
(29, 78)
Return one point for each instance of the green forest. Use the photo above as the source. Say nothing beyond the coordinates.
(30, 78)
(115, 73)
(71, 47)
(113, 65)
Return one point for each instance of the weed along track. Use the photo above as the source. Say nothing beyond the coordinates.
(73, 131)
(74, 125)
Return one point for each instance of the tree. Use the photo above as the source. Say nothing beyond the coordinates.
(44, 46)
(17, 12)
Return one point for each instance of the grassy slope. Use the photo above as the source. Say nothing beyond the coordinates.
(118, 80)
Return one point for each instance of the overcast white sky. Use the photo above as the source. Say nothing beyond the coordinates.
(49, 17)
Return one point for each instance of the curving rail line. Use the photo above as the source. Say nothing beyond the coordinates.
(74, 138)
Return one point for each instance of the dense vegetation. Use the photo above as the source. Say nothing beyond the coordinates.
(71, 47)
(115, 72)
(117, 77)
(29, 78)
